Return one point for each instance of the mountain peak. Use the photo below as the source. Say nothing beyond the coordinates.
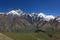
(15, 12)
(46, 17)
(41, 15)
(35, 15)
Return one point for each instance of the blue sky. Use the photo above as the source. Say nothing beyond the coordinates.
(51, 7)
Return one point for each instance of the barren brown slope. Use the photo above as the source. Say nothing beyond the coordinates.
(19, 23)
(4, 37)
(10, 23)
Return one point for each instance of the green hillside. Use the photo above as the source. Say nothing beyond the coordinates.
(51, 35)
(27, 36)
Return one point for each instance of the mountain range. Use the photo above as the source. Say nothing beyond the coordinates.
(17, 20)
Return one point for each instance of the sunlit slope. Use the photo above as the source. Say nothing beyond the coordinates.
(4, 37)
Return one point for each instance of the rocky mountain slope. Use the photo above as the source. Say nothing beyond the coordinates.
(17, 20)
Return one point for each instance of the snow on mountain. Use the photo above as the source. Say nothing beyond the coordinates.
(49, 17)
(58, 19)
(33, 15)
(15, 12)
(46, 17)
(41, 15)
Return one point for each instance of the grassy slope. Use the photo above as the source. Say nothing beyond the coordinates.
(4, 37)
(33, 36)
(26, 36)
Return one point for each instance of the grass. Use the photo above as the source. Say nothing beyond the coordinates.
(32, 36)
(4, 37)
(27, 36)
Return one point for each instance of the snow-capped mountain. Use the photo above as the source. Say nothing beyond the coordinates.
(33, 16)
(17, 19)
(15, 12)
